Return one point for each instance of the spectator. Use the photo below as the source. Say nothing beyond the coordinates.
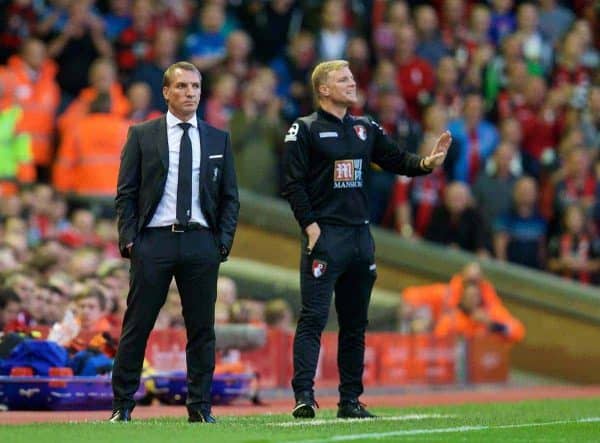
(18, 20)
(472, 318)
(430, 48)
(476, 140)
(89, 155)
(103, 80)
(134, 44)
(577, 183)
(535, 48)
(163, 55)
(414, 199)
(279, 315)
(333, 36)
(237, 61)
(569, 68)
(28, 81)
(91, 317)
(117, 19)
(503, 22)
(271, 26)
(10, 309)
(591, 56)
(519, 234)
(221, 103)
(140, 98)
(555, 20)
(590, 120)
(415, 78)
(293, 75)
(206, 48)
(81, 232)
(16, 159)
(493, 188)
(77, 46)
(397, 16)
(575, 252)
(447, 93)
(256, 140)
(456, 223)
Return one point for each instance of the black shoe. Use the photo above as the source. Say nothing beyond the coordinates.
(353, 409)
(305, 405)
(122, 414)
(198, 416)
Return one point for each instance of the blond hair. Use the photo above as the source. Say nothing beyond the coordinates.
(321, 72)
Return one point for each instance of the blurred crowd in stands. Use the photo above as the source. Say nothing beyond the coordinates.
(517, 84)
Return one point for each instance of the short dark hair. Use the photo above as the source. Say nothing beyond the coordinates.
(8, 295)
(186, 66)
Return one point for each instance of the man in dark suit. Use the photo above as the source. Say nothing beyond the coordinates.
(177, 207)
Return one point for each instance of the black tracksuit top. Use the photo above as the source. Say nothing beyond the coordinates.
(326, 163)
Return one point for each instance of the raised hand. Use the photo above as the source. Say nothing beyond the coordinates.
(439, 151)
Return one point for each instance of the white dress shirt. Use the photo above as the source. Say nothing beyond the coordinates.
(166, 210)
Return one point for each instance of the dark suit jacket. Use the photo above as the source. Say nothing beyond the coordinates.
(143, 174)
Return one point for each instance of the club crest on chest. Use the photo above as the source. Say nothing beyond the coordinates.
(318, 268)
(361, 132)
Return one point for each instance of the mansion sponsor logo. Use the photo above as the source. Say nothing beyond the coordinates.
(347, 174)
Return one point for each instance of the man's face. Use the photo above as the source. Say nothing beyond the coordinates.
(183, 93)
(340, 87)
(89, 311)
(10, 312)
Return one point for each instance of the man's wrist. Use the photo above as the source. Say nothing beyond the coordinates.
(423, 165)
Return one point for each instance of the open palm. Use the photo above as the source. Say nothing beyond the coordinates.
(439, 151)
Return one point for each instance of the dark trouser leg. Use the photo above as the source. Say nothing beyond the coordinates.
(196, 277)
(352, 296)
(152, 263)
(316, 295)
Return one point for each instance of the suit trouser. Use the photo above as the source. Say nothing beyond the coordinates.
(343, 261)
(157, 256)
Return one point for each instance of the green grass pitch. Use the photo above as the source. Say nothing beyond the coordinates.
(529, 421)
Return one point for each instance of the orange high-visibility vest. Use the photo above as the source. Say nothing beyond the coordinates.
(89, 156)
(37, 98)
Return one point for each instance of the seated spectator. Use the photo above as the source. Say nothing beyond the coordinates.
(279, 315)
(519, 234)
(90, 307)
(10, 310)
(456, 223)
(422, 306)
(473, 318)
(575, 252)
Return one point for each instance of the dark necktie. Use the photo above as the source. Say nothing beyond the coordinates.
(184, 183)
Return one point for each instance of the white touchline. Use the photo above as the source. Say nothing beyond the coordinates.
(333, 421)
(409, 432)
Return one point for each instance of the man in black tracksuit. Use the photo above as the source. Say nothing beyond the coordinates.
(326, 162)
